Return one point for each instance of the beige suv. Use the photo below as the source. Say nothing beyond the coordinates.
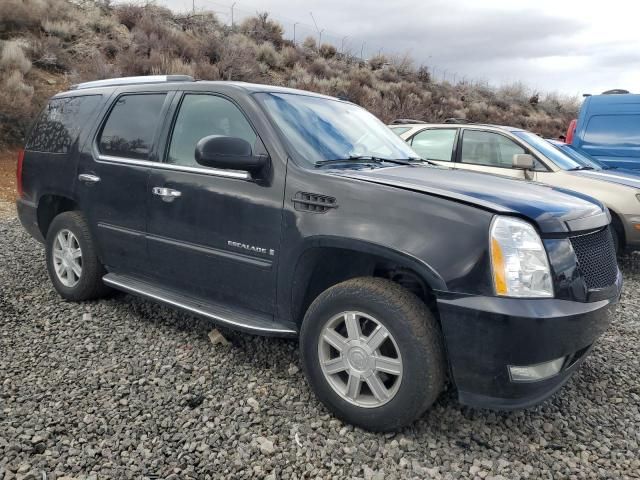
(520, 154)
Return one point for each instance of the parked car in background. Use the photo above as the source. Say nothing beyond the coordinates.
(517, 153)
(587, 160)
(287, 213)
(608, 128)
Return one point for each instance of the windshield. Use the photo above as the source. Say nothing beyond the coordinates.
(558, 157)
(582, 158)
(321, 129)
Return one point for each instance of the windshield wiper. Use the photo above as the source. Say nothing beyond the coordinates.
(425, 160)
(371, 159)
(351, 159)
(581, 167)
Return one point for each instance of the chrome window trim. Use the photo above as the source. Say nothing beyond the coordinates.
(238, 174)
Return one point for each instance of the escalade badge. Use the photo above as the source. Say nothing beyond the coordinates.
(251, 248)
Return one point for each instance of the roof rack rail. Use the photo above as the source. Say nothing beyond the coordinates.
(457, 120)
(112, 82)
(616, 91)
(404, 121)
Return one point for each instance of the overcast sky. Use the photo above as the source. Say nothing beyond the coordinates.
(569, 46)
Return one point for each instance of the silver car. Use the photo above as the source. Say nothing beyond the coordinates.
(520, 154)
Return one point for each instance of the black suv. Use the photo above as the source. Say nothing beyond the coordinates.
(283, 212)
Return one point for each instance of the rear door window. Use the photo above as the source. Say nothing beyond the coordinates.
(613, 130)
(61, 122)
(435, 144)
(131, 126)
(488, 148)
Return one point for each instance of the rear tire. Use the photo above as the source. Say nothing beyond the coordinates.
(72, 261)
(409, 364)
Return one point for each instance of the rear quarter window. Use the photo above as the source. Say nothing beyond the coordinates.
(613, 130)
(61, 122)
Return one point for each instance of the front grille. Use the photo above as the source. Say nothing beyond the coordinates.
(596, 258)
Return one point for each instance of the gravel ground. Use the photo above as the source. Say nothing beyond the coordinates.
(124, 388)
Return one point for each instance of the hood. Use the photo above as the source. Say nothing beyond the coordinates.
(554, 210)
(621, 177)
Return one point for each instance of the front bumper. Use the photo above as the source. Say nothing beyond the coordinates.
(484, 335)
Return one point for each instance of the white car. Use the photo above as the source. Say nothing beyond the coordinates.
(521, 154)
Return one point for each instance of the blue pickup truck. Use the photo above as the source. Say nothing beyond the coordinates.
(608, 128)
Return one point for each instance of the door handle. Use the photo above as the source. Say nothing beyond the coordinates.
(167, 194)
(88, 178)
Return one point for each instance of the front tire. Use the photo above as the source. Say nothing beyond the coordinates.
(372, 351)
(72, 261)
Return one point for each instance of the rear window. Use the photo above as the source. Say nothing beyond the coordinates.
(613, 130)
(60, 123)
(131, 125)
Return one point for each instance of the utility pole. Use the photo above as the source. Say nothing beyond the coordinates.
(193, 7)
(317, 29)
(232, 5)
(342, 43)
(294, 32)
(362, 50)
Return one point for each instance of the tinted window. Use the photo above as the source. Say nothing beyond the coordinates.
(131, 125)
(60, 123)
(320, 128)
(488, 148)
(613, 130)
(201, 116)
(434, 144)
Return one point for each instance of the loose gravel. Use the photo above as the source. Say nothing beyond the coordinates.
(125, 388)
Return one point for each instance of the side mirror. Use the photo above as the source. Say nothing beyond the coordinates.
(523, 161)
(219, 151)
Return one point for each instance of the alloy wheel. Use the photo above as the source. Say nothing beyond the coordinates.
(360, 359)
(67, 258)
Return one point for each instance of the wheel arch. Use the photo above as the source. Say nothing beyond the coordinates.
(326, 261)
(51, 205)
(618, 226)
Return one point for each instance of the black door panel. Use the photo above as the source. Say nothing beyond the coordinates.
(116, 162)
(214, 233)
(219, 239)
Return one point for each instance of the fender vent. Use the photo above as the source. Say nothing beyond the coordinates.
(312, 202)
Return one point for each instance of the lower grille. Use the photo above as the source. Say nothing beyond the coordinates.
(596, 258)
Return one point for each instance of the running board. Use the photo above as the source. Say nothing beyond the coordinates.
(239, 319)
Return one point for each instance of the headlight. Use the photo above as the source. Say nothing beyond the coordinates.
(518, 259)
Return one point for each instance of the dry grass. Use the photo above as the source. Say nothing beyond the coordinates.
(13, 57)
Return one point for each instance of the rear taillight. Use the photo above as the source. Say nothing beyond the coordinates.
(19, 172)
(571, 130)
